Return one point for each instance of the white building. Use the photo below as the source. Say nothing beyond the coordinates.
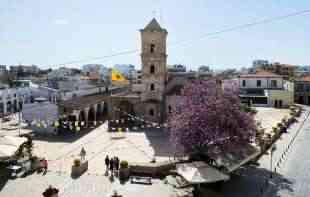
(96, 71)
(127, 70)
(260, 63)
(266, 89)
(41, 116)
(12, 99)
(32, 69)
(3, 69)
(176, 68)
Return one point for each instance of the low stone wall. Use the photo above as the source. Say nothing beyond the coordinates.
(157, 169)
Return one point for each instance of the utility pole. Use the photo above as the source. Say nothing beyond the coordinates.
(19, 120)
(273, 148)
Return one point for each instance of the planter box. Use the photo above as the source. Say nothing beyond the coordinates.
(79, 170)
(124, 173)
(49, 193)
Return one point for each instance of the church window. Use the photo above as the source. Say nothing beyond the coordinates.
(152, 87)
(152, 69)
(151, 112)
(152, 48)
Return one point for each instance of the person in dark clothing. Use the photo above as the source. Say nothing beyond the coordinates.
(107, 162)
(45, 166)
(116, 163)
(112, 166)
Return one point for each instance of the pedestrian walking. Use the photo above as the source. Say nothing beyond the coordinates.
(45, 166)
(116, 164)
(112, 166)
(107, 162)
(83, 154)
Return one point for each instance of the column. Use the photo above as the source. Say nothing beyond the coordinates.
(95, 112)
(76, 113)
(102, 108)
(5, 109)
(86, 111)
(77, 116)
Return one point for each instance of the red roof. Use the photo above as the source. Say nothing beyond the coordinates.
(304, 78)
(261, 74)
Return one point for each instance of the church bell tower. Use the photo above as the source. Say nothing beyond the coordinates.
(154, 61)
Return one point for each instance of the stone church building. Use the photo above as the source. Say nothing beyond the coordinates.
(153, 97)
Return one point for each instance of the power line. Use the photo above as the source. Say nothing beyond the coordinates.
(244, 26)
(184, 42)
(101, 57)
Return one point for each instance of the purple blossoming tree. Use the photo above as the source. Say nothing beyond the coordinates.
(208, 116)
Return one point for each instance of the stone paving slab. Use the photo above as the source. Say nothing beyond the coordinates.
(270, 117)
(85, 186)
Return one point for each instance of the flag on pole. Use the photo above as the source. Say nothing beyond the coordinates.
(117, 77)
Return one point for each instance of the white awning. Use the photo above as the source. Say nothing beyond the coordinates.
(9, 145)
(200, 172)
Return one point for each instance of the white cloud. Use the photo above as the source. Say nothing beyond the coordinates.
(61, 22)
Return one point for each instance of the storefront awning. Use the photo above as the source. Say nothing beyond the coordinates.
(200, 172)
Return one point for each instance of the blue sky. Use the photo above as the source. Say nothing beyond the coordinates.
(48, 33)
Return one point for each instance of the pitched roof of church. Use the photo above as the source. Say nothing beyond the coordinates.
(153, 25)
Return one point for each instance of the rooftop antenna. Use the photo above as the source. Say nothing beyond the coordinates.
(160, 16)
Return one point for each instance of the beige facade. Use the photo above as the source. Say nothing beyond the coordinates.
(285, 97)
(302, 90)
(153, 77)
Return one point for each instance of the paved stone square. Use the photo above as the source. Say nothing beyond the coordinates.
(85, 186)
(135, 147)
(270, 117)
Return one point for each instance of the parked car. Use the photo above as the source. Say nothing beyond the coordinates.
(15, 171)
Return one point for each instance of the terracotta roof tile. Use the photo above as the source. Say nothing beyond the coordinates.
(261, 73)
(305, 78)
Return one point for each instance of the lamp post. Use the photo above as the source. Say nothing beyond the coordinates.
(273, 148)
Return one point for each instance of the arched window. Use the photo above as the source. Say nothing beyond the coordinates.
(151, 112)
(152, 48)
(152, 69)
(152, 87)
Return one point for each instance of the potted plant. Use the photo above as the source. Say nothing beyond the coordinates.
(124, 170)
(78, 167)
(51, 192)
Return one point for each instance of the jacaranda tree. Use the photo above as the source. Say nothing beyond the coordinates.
(209, 116)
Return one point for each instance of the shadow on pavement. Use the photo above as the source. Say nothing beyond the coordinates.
(3, 181)
(69, 136)
(254, 181)
(159, 141)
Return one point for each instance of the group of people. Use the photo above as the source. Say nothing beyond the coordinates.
(112, 164)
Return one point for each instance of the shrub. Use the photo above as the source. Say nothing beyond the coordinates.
(274, 129)
(50, 191)
(77, 162)
(124, 164)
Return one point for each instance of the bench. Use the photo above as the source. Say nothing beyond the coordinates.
(141, 180)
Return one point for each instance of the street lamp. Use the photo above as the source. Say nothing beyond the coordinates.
(273, 148)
